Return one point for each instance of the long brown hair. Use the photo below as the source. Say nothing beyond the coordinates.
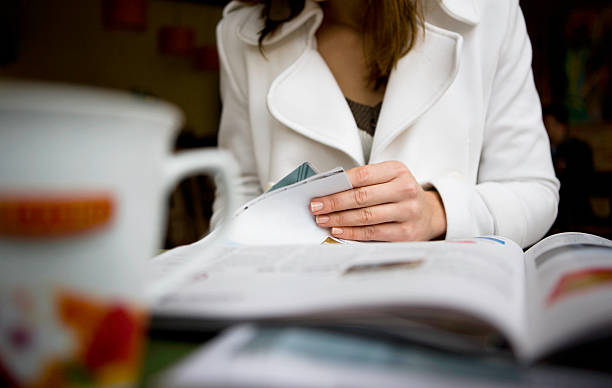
(391, 29)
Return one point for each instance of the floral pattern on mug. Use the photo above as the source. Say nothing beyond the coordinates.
(79, 341)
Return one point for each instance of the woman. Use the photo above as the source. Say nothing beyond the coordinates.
(458, 146)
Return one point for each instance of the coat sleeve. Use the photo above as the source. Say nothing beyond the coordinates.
(516, 193)
(234, 128)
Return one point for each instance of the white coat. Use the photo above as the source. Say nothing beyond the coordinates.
(460, 111)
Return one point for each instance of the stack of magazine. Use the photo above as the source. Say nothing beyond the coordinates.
(481, 293)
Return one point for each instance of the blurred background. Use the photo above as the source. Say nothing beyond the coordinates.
(166, 48)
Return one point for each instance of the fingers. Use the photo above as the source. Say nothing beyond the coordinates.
(365, 216)
(373, 174)
(362, 197)
(374, 184)
(383, 232)
(390, 192)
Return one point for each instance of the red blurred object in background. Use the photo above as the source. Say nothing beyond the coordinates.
(206, 58)
(125, 14)
(176, 40)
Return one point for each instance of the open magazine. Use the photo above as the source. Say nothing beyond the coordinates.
(467, 294)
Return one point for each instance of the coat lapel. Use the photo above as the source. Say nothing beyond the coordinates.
(420, 78)
(307, 99)
(318, 110)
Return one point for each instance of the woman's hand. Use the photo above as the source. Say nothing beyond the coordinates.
(386, 204)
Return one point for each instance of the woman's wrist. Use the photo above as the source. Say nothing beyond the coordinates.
(438, 214)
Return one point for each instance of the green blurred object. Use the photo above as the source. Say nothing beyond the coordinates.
(161, 354)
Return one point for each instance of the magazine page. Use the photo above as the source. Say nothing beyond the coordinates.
(370, 284)
(569, 290)
(282, 215)
(274, 218)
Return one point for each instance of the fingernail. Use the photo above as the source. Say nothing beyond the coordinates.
(316, 206)
(321, 219)
(336, 230)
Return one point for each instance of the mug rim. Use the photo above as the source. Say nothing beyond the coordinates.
(65, 98)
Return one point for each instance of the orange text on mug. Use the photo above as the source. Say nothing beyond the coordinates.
(54, 214)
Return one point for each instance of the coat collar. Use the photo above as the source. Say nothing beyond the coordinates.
(465, 11)
(249, 31)
(319, 111)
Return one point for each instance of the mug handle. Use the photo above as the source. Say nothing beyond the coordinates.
(211, 161)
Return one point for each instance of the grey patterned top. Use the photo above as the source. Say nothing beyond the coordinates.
(365, 116)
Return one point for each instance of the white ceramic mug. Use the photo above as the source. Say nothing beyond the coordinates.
(84, 178)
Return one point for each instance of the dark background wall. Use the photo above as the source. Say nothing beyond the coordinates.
(572, 64)
(67, 40)
(73, 41)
